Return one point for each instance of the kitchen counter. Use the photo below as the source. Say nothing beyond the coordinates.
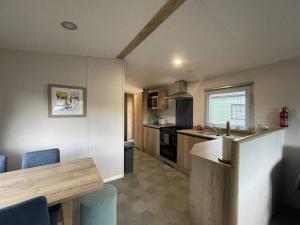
(211, 150)
(206, 135)
(218, 190)
(158, 126)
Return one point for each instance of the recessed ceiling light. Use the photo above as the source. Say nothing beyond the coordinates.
(177, 61)
(68, 25)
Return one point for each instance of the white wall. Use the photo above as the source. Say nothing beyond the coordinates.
(276, 85)
(105, 115)
(258, 172)
(24, 122)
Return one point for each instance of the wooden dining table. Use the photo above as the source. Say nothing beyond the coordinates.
(60, 183)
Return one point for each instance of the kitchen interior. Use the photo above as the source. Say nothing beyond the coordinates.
(205, 94)
(220, 155)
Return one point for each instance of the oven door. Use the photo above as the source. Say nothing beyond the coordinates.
(168, 145)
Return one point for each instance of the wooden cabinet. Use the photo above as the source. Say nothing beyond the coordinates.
(185, 144)
(128, 117)
(137, 120)
(140, 117)
(151, 141)
(157, 99)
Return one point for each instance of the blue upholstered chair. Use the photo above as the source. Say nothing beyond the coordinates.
(31, 212)
(41, 158)
(3, 163)
(99, 207)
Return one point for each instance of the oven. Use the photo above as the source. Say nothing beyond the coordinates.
(168, 143)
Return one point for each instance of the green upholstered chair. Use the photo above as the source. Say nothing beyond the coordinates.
(100, 207)
(3, 163)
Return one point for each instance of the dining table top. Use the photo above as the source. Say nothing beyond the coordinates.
(58, 182)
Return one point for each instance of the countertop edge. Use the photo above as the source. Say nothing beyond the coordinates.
(158, 126)
(191, 133)
(259, 134)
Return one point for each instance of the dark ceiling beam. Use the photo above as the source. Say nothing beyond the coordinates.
(168, 9)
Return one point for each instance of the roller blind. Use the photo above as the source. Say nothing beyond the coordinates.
(234, 104)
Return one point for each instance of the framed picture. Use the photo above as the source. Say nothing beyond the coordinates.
(66, 101)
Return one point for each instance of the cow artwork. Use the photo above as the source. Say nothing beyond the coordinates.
(66, 101)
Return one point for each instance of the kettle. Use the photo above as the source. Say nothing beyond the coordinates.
(162, 121)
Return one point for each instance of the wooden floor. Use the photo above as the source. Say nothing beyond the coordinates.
(286, 216)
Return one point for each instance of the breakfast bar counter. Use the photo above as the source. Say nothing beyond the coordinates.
(239, 193)
(209, 150)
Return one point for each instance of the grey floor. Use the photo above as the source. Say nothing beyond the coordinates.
(155, 194)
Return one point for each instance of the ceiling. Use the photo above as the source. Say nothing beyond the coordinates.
(105, 27)
(212, 37)
(216, 37)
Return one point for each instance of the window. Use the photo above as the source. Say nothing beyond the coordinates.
(234, 104)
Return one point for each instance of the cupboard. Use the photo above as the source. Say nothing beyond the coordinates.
(151, 141)
(185, 144)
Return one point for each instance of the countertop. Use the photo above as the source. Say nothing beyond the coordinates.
(158, 126)
(212, 149)
(209, 150)
(195, 133)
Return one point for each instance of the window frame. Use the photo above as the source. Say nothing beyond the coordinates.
(249, 119)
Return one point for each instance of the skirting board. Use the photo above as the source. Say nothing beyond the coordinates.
(113, 178)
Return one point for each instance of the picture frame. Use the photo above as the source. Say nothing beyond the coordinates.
(66, 101)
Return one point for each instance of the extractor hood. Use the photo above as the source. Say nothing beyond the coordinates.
(179, 91)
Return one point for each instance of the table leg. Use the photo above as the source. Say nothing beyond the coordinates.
(67, 211)
(76, 211)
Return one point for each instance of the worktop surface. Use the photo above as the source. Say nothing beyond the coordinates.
(206, 135)
(212, 149)
(158, 126)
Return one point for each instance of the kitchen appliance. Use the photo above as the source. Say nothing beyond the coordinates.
(168, 135)
(153, 100)
(184, 113)
(162, 121)
(168, 144)
(179, 91)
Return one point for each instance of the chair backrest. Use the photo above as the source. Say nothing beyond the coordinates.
(40, 158)
(3, 163)
(30, 212)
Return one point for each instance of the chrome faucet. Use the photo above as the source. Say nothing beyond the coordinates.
(217, 130)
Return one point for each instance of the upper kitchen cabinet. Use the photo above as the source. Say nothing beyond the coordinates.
(157, 99)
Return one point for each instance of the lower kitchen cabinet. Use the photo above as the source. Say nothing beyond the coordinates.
(151, 141)
(138, 134)
(185, 144)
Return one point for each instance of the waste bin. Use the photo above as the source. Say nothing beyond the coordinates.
(128, 156)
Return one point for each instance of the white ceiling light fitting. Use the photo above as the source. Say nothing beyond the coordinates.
(177, 62)
(68, 25)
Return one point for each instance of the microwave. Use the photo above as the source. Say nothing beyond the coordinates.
(153, 102)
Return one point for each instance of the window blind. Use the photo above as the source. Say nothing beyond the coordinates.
(234, 104)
